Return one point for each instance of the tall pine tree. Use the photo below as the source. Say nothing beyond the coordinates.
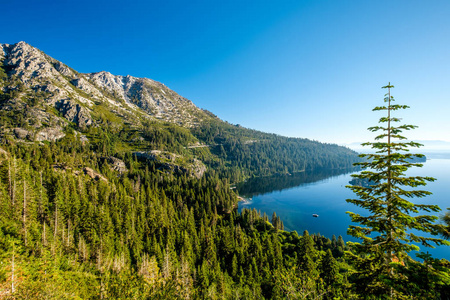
(388, 229)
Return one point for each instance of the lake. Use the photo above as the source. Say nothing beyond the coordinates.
(295, 198)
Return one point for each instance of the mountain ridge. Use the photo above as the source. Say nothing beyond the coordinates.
(40, 72)
(42, 99)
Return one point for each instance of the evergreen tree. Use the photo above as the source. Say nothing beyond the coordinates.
(386, 232)
(307, 256)
(330, 275)
(446, 229)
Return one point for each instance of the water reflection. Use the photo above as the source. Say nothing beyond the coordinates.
(263, 185)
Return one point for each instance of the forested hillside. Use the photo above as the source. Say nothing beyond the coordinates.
(41, 99)
(143, 234)
(259, 153)
(69, 232)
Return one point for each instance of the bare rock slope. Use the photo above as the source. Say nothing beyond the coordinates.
(36, 82)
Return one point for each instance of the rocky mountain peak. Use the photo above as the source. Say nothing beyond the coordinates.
(26, 62)
(151, 96)
(40, 72)
(30, 72)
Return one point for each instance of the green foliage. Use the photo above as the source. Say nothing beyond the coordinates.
(3, 75)
(142, 234)
(446, 230)
(386, 231)
(252, 152)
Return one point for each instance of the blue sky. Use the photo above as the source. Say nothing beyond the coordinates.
(297, 68)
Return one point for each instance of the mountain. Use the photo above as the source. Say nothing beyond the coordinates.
(42, 99)
(428, 145)
(74, 94)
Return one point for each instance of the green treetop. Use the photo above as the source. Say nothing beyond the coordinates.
(389, 228)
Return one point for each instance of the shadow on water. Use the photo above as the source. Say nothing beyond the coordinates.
(263, 185)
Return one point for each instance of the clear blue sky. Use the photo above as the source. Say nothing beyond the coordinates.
(298, 68)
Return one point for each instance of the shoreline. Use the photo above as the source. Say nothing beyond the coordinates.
(242, 199)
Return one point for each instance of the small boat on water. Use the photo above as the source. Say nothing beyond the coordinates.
(315, 215)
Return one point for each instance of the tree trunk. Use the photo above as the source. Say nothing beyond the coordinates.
(40, 200)
(9, 180)
(68, 233)
(56, 220)
(24, 212)
(44, 237)
(13, 196)
(13, 289)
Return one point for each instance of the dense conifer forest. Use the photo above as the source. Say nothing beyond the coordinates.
(72, 227)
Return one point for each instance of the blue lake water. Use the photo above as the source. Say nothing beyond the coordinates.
(296, 198)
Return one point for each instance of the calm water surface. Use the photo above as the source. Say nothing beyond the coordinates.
(296, 198)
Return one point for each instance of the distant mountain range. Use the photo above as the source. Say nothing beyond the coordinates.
(431, 148)
(427, 144)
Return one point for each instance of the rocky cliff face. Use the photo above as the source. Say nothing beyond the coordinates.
(41, 73)
(34, 83)
(74, 112)
(173, 163)
(151, 96)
